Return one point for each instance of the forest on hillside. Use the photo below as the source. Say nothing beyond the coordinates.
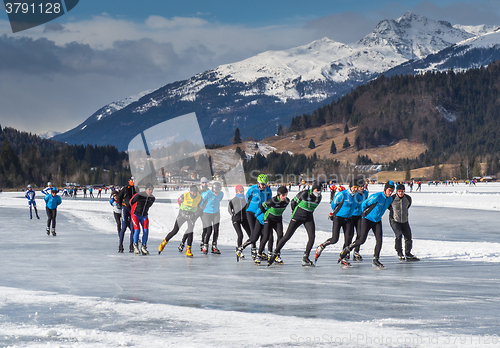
(456, 114)
(26, 158)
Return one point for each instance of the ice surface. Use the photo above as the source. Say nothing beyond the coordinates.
(75, 290)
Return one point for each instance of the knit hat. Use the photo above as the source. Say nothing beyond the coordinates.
(389, 184)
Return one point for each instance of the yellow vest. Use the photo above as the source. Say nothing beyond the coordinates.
(189, 203)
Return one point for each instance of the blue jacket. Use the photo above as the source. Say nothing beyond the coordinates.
(375, 206)
(30, 195)
(212, 201)
(344, 203)
(51, 201)
(256, 197)
(359, 200)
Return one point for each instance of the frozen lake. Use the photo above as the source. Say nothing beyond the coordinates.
(75, 290)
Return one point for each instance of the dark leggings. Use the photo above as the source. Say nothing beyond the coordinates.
(366, 226)
(211, 222)
(267, 234)
(339, 222)
(237, 227)
(188, 236)
(51, 217)
(294, 224)
(126, 222)
(356, 224)
(402, 230)
(118, 219)
(181, 219)
(252, 221)
(254, 237)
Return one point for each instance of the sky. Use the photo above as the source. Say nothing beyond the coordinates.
(54, 76)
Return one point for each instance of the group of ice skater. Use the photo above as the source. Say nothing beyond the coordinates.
(259, 214)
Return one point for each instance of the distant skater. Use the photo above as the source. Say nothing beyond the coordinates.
(52, 200)
(30, 195)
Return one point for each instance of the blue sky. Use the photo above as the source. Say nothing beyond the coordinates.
(105, 50)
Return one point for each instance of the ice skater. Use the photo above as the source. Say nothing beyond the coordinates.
(303, 206)
(117, 213)
(140, 204)
(237, 208)
(210, 200)
(343, 206)
(52, 200)
(256, 195)
(269, 218)
(398, 219)
(123, 199)
(30, 196)
(189, 204)
(373, 209)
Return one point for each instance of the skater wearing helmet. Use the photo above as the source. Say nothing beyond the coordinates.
(123, 199)
(270, 216)
(30, 196)
(373, 209)
(256, 195)
(210, 200)
(356, 222)
(237, 209)
(203, 188)
(303, 206)
(398, 218)
(189, 204)
(140, 204)
(52, 200)
(343, 206)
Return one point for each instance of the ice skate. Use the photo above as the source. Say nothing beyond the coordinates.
(181, 247)
(278, 259)
(144, 250)
(376, 264)
(48, 231)
(357, 257)
(136, 249)
(120, 248)
(345, 264)
(188, 251)
(162, 246)
(54, 231)
(204, 251)
(215, 250)
(306, 262)
(410, 257)
(318, 252)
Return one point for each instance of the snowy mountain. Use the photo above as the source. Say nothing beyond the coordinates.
(468, 54)
(257, 93)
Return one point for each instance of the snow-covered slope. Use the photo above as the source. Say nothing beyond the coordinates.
(271, 87)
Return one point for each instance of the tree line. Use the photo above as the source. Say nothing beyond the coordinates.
(26, 158)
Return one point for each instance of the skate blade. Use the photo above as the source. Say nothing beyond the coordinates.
(378, 268)
(345, 266)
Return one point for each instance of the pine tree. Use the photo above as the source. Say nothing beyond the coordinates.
(346, 143)
(237, 136)
(312, 145)
(333, 148)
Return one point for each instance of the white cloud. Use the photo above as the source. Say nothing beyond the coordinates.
(158, 22)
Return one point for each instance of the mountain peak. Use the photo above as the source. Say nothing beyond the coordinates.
(414, 36)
